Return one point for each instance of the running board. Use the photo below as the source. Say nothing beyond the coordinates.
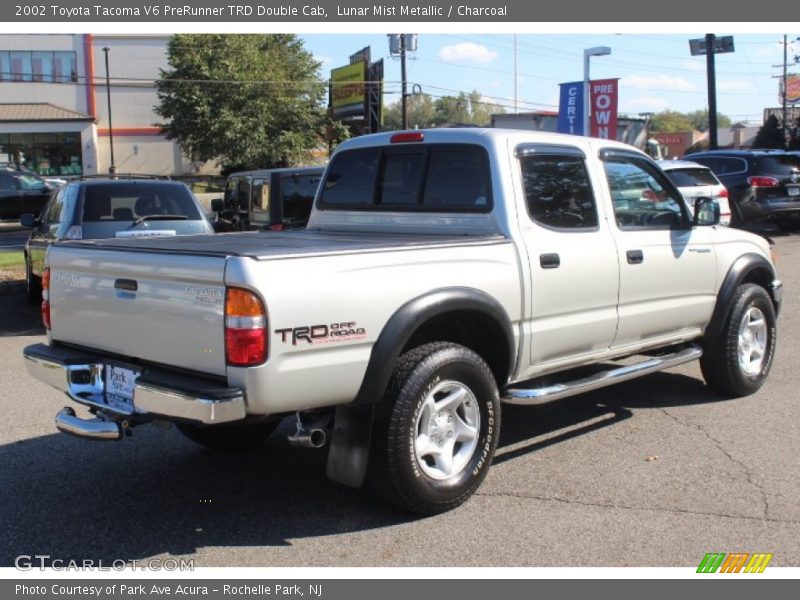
(549, 393)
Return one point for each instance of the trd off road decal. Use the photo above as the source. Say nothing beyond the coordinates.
(322, 334)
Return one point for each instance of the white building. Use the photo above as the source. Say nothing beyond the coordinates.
(54, 105)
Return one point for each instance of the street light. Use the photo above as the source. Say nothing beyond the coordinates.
(587, 54)
(112, 169)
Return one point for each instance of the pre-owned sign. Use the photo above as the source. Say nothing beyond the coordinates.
(603, 94)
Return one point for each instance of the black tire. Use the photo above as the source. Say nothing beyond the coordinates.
(33, 285)
(444, 371)
(229, 437)
(720, 363)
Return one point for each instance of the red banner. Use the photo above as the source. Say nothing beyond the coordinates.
(603, 93)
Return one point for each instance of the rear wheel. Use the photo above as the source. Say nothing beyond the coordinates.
(230, 437)
(436, 430)
(737, 362)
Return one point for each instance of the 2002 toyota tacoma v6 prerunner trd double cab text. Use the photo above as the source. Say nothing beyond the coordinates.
(441, 273)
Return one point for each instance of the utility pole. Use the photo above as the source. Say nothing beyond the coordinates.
(785, 111)
(404, 81)
(711, 74)
(112, 167)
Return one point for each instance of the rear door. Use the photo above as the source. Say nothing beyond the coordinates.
(573, 258)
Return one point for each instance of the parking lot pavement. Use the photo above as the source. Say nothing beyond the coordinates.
(655, 472)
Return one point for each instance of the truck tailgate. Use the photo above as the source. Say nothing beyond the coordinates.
(167, 308)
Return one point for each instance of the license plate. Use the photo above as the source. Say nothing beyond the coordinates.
(120, 383)
(794, 191)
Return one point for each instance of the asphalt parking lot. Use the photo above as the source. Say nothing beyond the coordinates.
(655, 472)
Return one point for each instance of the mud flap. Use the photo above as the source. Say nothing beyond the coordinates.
(349, 452)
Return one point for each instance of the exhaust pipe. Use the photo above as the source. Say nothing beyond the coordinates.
(90, 429)
(312, 435)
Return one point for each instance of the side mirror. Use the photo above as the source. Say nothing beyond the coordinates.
(706, 212)
(216, 205)
(28, 220)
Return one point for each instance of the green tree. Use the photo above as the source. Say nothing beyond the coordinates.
(247, 101)
(770, 135)
(673, 121)
(421, 113)
(699, 120)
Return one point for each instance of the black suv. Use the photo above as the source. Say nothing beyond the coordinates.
(762, 184)
(21, 192)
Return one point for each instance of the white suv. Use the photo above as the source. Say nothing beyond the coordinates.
(695, 181)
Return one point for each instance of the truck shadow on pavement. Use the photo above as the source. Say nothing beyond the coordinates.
(17, 315)
(158, 493)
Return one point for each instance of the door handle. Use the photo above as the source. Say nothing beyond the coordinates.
(549, 261)
(635, 257)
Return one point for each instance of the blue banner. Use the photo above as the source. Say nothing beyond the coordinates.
(570, 108)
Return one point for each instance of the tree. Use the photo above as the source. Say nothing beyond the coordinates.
(421, 113)
(424, 111)
(699, 120)
(673, 121)
(247, 101)
(770, 135)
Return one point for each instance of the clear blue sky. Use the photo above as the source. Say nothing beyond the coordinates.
(657, 72)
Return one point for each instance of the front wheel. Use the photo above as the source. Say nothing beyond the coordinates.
(737, 362)
(436, 430)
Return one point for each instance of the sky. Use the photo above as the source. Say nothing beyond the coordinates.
(656, 71)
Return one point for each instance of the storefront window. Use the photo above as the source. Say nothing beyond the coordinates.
(21, 67)
(38, 66)
(44, 153)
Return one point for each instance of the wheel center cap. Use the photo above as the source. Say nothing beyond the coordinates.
(442, 428)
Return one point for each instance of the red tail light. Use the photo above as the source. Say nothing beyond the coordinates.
(760, 181)
(407, 137)
(723, 193)
(46, 298)
(276, 227)
(245, 328)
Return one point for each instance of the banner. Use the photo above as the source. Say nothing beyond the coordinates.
(570, 108)
(603, 119)
(792, 89)
(347, 90)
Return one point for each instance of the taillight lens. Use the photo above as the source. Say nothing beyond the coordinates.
(245, 328)
(407, 137)
(276, 227)
(760, 181)
(723, 193)
(46, 298)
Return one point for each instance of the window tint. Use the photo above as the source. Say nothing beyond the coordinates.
(399, 183)
(691, 177)
(7, 182)
(29, 182)
(129, 201)
(558, 191)
(779, 165)
(641, 196)
(298, 193)
(260, 195)
(457, 178)
(351, 178)
(54, 210)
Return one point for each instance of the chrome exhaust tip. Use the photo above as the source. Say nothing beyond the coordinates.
(90, 429)
(308, 438)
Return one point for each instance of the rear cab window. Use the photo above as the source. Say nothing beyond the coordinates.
(413, 178)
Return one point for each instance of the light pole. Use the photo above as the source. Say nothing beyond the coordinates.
(112, 167)
(587, 54)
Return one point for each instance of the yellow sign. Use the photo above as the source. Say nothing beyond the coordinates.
(347, 90)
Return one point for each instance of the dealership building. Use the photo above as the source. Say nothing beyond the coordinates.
(54, 116)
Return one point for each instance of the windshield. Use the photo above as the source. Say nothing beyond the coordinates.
(30, 182)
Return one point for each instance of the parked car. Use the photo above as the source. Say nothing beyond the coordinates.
(103, 208)
(22, 192)
(694, 181)
(762, 184)
(268, 198)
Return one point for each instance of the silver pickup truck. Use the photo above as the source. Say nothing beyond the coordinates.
(442, 273)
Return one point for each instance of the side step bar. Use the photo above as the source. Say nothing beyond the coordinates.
(549, 393)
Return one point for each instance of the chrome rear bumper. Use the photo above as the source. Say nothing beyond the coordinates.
(158, 392)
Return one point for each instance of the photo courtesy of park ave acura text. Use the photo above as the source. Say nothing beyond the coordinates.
(316, 295)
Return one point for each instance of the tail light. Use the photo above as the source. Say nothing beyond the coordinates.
(46, 298)
(760, 181)
(276, 227)
(245, 328)
(723, 193)
(407, 137)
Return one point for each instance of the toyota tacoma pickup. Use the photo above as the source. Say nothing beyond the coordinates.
(442, 273)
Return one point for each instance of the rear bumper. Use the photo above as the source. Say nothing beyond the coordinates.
(158, 392)
(772, 208)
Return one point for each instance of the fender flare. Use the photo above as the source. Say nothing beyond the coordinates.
(409, 317)
(740, 269)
